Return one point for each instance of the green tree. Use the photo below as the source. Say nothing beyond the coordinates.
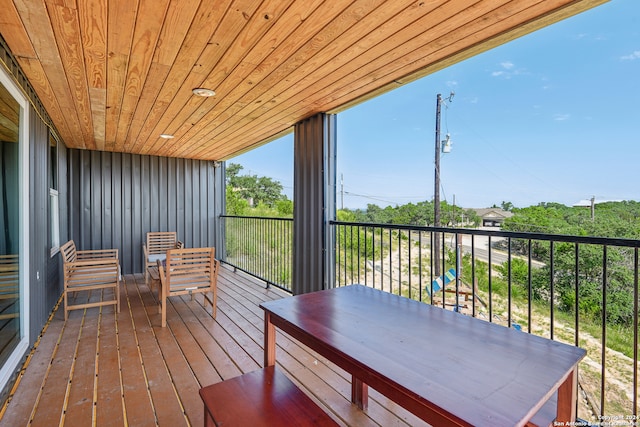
(235, 204)
(255, 190)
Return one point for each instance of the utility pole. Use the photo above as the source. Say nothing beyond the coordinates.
(436, 189)
(341, 191)
(436, 192)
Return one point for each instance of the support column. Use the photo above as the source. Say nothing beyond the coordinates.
(314, 200)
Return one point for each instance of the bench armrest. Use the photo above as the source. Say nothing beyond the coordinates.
(97, 254)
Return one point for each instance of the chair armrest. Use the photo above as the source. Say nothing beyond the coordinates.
(161, 271)
(146, 254)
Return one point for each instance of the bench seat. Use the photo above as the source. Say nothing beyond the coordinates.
(262, 398)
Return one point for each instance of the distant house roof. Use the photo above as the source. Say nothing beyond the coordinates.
(492, 217)
(493, 213)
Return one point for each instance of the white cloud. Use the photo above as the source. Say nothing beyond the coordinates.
(507, 70)
(561, 117)
(632, 56)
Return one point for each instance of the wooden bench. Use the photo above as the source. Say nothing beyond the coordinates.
(261, 398)
(90, 270)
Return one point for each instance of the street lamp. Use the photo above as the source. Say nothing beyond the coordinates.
(436, 183)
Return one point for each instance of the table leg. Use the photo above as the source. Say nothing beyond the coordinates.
(359, 393)
(567, 395)
(269, 341)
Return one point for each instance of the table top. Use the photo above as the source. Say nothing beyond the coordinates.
(434, 362)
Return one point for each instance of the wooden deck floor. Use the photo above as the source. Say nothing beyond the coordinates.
(107, 370)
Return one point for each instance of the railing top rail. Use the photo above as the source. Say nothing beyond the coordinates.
(605, 241)
(257, 217)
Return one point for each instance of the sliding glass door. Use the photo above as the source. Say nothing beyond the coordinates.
(13, 220)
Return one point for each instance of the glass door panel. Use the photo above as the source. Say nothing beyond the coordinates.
(10, 335)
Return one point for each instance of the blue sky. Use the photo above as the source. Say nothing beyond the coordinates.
(551, 117)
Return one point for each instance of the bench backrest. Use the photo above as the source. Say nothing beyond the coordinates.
(9, 276)
(68, 252)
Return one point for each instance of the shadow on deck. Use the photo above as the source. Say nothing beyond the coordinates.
(107, 370)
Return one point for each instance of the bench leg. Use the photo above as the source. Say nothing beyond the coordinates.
(208, 419)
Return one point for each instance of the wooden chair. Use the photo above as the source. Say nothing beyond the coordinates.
(156, 247)
(188, 271)
(9, 286)
(90, 270)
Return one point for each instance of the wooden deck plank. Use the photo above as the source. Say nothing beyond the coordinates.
(178, 369)
(81, 392)
(181, 375)
(51, 402)
(28, 389)
(109, 405)
(194, 350)
(138, 406)
(226, 340)
(191, 351)
(165, 401)
(199, 327)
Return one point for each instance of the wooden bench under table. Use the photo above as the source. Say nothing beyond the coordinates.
(262, 398)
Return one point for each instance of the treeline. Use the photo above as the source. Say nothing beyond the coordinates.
(581, 289)
(611, 219)
(421, 214)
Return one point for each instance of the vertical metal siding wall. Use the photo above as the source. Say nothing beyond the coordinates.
(116, 198)
(43, 295)
(314, 203)
(44, 282)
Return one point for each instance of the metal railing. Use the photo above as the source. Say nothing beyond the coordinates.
(261, 247)
(579, 290)
(575, 289)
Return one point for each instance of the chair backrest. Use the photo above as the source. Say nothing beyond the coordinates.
(190, 268)
(159, 242)
(68, 251)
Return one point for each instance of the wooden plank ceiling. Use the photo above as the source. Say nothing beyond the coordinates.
(115, 74)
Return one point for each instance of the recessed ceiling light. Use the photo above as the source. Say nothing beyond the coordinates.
(166, 136)
(200, 91)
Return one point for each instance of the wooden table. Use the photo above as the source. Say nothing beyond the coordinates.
(446, 368)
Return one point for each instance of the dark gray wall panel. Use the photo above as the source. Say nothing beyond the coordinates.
(314, 203)
(40, 293)
(116, 198)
